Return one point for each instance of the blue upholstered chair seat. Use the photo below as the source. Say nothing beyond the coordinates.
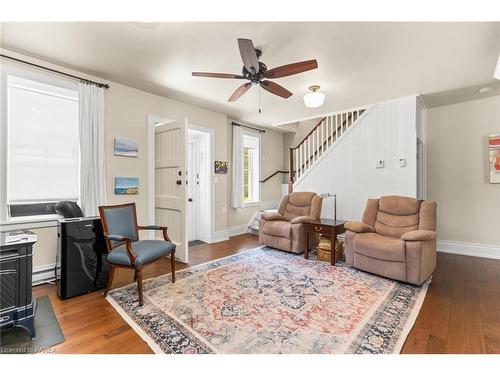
(146, 250)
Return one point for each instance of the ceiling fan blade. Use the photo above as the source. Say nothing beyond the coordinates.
(248, 55)
(291, 69)
(275, 89)
(240, 91)
(217, 75)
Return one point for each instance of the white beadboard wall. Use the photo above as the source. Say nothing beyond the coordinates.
(388, 133)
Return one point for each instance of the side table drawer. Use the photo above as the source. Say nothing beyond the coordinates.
(317, 228)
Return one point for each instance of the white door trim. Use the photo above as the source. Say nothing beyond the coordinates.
(212, 175)
(153, 120)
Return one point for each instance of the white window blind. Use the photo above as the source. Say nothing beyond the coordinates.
(43, 147)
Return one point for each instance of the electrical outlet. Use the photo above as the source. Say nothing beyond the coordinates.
(402, 162)
(379, 164)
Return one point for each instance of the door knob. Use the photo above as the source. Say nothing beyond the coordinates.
(178, 182)
(190, 199)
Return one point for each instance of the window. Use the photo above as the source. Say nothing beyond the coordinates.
(42, 154)
(251, 186)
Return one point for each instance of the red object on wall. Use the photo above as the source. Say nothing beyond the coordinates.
(494, 141)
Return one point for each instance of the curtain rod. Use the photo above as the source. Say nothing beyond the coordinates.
(249, 127)
(84, 80)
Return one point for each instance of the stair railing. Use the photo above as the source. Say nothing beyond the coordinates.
(321, 137)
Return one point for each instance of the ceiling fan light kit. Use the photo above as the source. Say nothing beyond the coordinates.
(256, 72)
(315, 98)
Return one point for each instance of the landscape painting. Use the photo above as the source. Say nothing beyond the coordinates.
(494, 149)
(126, 185)
(125, 147)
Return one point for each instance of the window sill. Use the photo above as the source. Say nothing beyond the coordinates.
(29, 223)
(252, 204)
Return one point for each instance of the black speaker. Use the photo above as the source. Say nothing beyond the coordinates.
(82, 265)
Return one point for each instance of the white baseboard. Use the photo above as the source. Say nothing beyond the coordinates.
(219, 236)
(43, 274)
(469, 249)
(224, 235)
(237, 230)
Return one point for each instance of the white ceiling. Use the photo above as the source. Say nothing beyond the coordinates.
(359, 63)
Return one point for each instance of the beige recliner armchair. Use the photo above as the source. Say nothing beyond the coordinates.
(396, 239)
(283, 229)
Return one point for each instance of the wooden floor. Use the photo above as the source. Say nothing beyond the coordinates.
(460, 314)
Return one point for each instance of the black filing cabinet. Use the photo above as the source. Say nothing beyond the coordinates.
(17, 305)
(81, 257)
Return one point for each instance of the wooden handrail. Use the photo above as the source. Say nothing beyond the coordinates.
(344, 123)
(308, 134)
(271, 176)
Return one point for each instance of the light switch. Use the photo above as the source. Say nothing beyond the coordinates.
(379, 164)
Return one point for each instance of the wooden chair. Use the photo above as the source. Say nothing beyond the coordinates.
(125, 250)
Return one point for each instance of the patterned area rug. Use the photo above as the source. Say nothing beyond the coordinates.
(268, 301)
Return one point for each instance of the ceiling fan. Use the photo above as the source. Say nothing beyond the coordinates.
(256, 72)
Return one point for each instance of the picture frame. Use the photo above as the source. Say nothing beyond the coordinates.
(126, 185)
(221, 167)
(494, 158)
(126, 147)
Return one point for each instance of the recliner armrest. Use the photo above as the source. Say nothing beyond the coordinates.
(273, 216)
(419, 235)
(359, 227)
(303, 219)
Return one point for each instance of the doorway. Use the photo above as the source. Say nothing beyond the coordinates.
(199, 190)
(420, 170)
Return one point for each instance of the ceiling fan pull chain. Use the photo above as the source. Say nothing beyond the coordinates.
(260, 110)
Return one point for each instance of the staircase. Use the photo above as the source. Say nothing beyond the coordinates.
(329, 130)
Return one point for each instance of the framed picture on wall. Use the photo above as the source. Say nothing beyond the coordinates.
(221, 167)
(126, 185)
(494, 158)
(126, 147)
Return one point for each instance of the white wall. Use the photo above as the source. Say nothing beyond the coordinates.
(458, 171)
(386, 132)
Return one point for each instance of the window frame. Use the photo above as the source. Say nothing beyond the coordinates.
(254, 176)
(13, 69)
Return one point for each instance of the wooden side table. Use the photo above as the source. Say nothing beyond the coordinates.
(325, 227)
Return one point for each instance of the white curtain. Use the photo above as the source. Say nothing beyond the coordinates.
(237, 169)
(92, 177)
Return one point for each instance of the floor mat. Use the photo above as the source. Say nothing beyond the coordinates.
(16, 340)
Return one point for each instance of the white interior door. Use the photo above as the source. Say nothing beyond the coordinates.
(192, 234)
(170, 183)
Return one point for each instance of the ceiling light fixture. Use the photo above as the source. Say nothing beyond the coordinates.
(314, 99)
(497, 69)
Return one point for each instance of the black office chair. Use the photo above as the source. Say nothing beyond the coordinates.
(68, 209)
